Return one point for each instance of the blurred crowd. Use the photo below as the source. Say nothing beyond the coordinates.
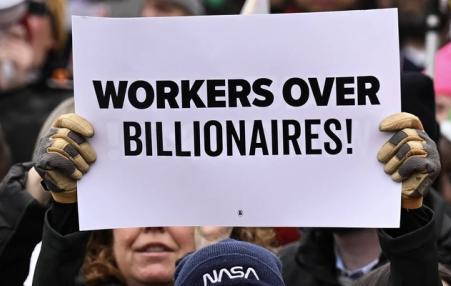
(36, 89)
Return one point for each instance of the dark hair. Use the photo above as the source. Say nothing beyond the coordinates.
(100, 266)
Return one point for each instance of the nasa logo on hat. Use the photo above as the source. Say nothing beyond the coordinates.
(235, 272)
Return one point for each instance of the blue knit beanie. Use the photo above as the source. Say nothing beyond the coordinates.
(230, 262)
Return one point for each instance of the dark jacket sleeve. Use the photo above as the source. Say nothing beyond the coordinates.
(411, 251)
(63, 247)
(21, 221)
(442, 225)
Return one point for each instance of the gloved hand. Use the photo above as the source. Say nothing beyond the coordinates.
(63, 155)
(410, 157)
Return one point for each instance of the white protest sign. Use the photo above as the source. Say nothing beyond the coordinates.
(266, 120)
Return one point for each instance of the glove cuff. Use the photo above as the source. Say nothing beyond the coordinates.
(67, 197)
(412, 203)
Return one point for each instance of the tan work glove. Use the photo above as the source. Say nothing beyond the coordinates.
(63, 155)
(410, 157)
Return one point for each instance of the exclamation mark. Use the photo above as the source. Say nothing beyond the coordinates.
(349, 134)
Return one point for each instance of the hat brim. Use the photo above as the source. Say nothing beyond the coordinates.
(11, 15)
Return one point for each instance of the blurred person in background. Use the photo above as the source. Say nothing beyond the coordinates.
(23, 201)
(295, 6)
(223, 7)
(338, 257)
(442, 83)
(442, 86)
(32, 45)
(135, 8)
(331, 5)
(413, 28)
(156, 8)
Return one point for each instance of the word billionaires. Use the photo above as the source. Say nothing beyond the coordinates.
(214, 138)
(221, 93)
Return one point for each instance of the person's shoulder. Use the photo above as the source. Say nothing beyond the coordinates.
(379, 276)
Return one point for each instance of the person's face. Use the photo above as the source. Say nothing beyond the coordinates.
(41, 38)
(326, 5)
(148, 255)
(160, 8)
(444, 147)
(24, 46)
(443, 107)
(445, 186)
(445, 177)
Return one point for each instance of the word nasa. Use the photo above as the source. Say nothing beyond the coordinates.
(231, 137)
(235, 272)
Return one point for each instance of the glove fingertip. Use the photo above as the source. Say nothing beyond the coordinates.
(396, 177)
(77, 174)
(88, 153)
(384, 153)
(75, 123)
(400, 121)
(390, 167)
(381, 158)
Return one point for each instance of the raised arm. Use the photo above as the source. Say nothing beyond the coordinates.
(63, 156)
